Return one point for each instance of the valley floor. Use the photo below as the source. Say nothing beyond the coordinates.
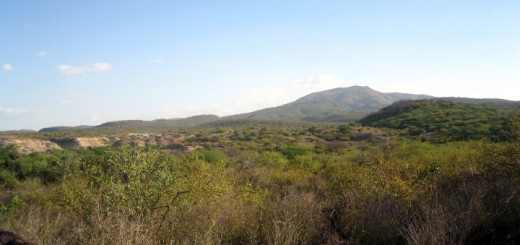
(326, 184)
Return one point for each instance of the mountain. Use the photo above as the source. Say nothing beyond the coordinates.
(335, 105)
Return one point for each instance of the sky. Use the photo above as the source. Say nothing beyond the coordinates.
(86, 62)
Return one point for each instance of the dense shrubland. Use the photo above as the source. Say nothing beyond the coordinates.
(444, 120)
(268, 186)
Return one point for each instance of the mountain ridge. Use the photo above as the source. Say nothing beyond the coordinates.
(337, 105)
(342, 104)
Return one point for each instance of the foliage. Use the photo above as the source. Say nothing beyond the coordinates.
(443, 120)
(261, 184)
(16, 203)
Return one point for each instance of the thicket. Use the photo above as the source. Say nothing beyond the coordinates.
(290, 192)
(444, 120)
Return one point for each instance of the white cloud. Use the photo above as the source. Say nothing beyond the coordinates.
(243, 102)
(264, 97)
(83, 70)
(41, 53)
(95, 118)
(68, 99)
(257, 98)
(322, 81)
(12, 111)
(260, 98)
(7, 67)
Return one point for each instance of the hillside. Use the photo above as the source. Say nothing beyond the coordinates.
(335, 105)
(140, 125)
(499, 103)
(444, 119)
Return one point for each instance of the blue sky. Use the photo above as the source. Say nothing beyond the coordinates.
(88, 62)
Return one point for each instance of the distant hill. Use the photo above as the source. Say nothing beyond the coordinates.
(23, 131)
(65, 128)
(444, 119)
(335, 105)
(499, 103)
(330, 106)
(140, 125)
(160, 123)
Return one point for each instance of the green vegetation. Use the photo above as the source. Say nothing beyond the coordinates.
(442, 120)
(261, 184)
(499, 103)
(425, 172)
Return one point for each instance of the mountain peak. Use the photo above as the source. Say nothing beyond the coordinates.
(338, 104)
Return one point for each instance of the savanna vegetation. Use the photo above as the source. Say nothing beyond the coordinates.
(445, 120)
(279, 184)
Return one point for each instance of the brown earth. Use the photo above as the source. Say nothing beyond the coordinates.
(83, 142)
(166, 141)
(28, 145)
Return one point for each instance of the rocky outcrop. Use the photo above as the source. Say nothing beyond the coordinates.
(163, 141)
(28, 145)
(83, 142)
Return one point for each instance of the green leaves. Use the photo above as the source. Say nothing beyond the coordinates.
(132, 181)
(442, 121)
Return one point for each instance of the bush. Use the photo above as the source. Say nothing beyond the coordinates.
(212, 156)
(130, 184)
(8, 179)
(295, 150)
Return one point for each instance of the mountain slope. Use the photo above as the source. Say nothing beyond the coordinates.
(499, 103)
(339, 104)
(444, 120)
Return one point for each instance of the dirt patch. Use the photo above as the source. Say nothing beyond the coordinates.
(27, 145)
(83, 142)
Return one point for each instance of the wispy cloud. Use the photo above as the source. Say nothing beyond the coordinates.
(258, 98)
(320, 81)
(12, 111)
(41, 53)
(95, 118)
(7, 67)
(68, 99)
(85, 69)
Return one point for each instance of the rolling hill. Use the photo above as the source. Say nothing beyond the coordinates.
(140, 125)
(444, 119)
